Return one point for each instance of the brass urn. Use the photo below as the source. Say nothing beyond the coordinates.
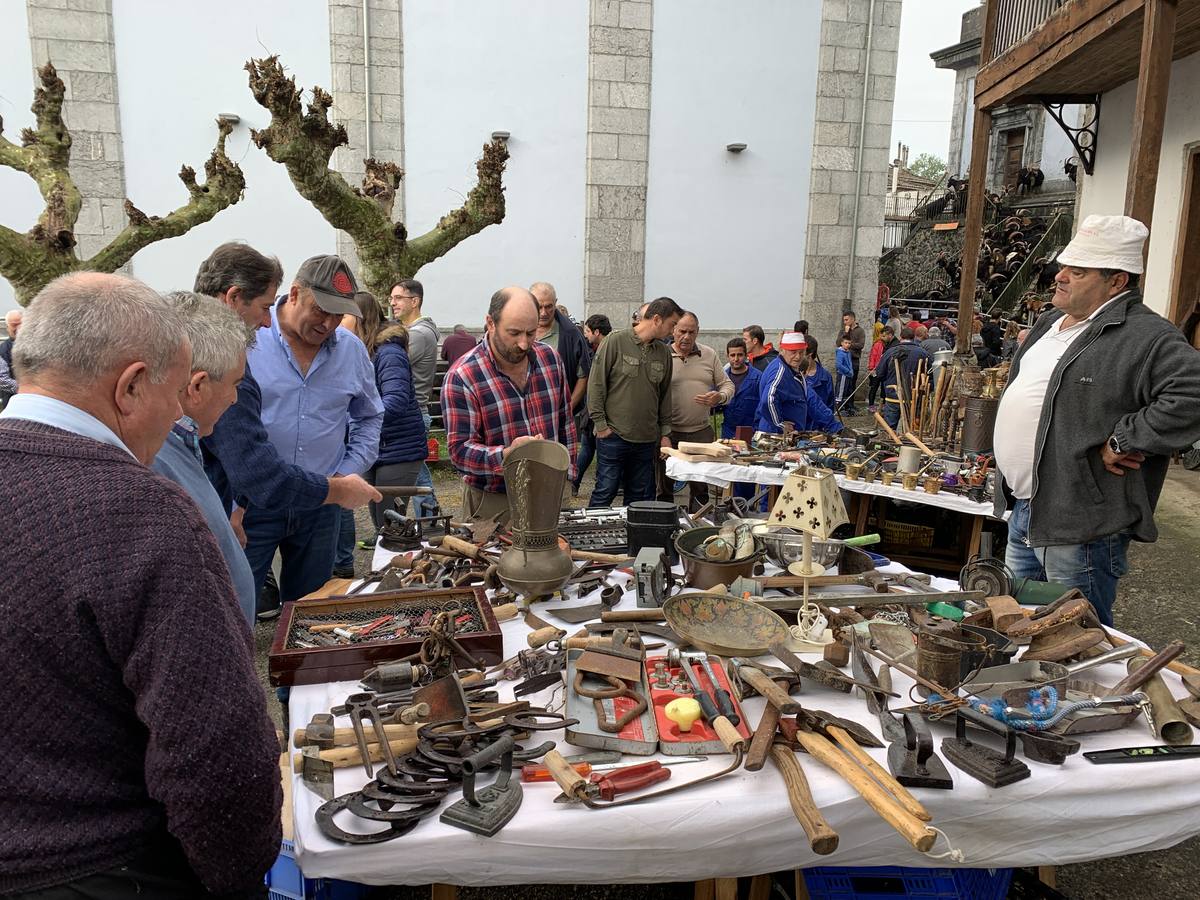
(534, 476)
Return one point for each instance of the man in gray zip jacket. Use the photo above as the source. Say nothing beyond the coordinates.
(1114, 389)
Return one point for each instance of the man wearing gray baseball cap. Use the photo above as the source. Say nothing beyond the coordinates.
(321, 410)
(1113, 389)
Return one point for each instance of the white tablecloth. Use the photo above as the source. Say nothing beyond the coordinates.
(723, 474)
(742, 824)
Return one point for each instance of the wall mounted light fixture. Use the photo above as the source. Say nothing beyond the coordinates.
(735, 148)
(231, 118)
(501, 136)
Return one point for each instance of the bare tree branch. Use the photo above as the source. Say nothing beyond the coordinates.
(32, 260)
(304, 140)
(223, 186)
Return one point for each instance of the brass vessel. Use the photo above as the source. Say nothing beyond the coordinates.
(534, 475)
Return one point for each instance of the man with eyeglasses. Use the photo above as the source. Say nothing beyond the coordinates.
(407, 297)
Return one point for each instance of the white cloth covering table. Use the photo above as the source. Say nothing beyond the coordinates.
(742, 824)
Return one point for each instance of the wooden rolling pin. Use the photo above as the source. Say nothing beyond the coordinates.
(912, 829)
(344, 757)
(822, 839)
(344, 737)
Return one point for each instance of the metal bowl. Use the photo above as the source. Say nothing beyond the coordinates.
(785, 546)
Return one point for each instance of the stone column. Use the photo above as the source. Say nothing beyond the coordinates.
(617, 153)
(386, 119)
(840, 85)
(77, 37)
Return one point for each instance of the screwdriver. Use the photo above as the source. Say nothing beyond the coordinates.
(533, 773)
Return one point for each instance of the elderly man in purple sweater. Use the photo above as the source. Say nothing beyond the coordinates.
(139, 759)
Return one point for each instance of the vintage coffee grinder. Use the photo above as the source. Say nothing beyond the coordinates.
(534, 475)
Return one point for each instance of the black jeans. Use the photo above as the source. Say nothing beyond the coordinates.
(160, 872)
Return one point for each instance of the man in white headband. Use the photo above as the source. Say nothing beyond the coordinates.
(1100, 393)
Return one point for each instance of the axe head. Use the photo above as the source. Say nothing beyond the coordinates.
(319, 732)
(317, 773)
(817, 721)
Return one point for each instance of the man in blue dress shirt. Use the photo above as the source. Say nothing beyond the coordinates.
(322, 412)
(219, 339)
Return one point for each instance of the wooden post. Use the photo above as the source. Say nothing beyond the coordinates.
(977, 188)
(973, 233)
(1158, 40)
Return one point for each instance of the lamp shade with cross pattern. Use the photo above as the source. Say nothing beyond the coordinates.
(811, 503)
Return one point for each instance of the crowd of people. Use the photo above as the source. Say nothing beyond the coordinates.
(160, 450)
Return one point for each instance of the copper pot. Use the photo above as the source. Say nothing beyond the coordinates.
(703, 573)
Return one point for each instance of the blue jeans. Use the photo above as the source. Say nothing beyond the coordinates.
(891, 411)
(344, 557)
(1094, 568)
(587, 452)
(307, 542)
(622, 464)
(423, 505)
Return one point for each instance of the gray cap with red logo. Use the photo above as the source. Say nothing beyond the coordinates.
(332, 284)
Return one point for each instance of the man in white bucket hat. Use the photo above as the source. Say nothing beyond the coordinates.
(1114, 389)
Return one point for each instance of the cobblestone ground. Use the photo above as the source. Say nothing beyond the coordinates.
(1156, 602)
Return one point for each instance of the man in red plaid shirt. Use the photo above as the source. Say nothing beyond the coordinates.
(508, 390)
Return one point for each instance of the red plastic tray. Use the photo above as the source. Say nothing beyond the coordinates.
(701, 739)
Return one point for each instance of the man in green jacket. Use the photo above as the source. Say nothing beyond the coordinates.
(629, 397)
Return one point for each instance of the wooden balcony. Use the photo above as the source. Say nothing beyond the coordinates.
(1078, 49)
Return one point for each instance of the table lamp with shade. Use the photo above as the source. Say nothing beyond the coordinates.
(811, 503)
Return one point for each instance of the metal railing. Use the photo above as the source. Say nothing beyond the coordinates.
(900, 206)
(1017, 19)
(1057, 235)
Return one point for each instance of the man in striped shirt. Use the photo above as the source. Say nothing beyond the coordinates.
(508, 390)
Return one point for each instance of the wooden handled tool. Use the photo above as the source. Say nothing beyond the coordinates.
(563, 773)
(543, 636)
(764, 736)
(591, 556)
(822, 839)
(879, 773)
(344, 737)
(504, 612)
(912, 829)
(775, 695)
(1175, 665)
(463, 548)
(1140, 676)
(888, 429)
(917, 442)
(343, 757)
(632, 615)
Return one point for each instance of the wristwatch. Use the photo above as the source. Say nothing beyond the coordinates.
(1115, 446)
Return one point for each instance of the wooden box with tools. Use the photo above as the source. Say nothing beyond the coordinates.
(337, 639)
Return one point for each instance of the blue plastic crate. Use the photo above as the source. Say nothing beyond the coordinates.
(285, 881)
(891, 882)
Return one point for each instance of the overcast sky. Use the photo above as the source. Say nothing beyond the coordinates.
(924, 94)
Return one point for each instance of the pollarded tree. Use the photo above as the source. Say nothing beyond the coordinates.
(304, 140)
(29, 261)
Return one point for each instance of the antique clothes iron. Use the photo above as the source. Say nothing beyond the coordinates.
(534, 476)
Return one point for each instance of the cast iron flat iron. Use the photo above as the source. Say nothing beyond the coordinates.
(913, 762)
(980, 762)
(487, 811)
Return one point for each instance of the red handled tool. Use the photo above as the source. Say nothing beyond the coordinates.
(607, 785)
